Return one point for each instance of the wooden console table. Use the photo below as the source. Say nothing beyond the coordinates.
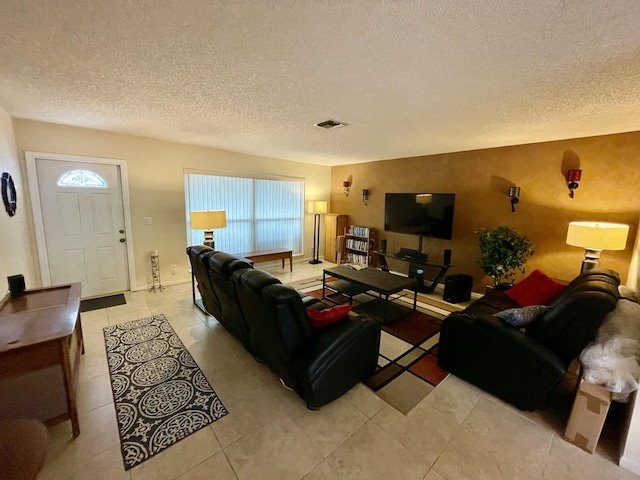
(40, 329)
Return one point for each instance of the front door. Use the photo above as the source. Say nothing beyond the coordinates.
(84, 228)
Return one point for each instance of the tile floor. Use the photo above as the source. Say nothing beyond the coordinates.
(456, 432)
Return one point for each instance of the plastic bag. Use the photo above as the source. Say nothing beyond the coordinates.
(612, 360)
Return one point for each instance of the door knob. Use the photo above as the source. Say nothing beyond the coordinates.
(122, 240)
(120, 231)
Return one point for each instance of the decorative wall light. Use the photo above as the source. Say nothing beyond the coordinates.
(514, 194)
(346, 185)
(365, 196)
(573, 177)
(595, 237)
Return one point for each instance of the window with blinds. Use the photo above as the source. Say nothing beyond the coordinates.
(262, 214)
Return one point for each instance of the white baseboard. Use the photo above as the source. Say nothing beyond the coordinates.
(632, 465)
(148, 286)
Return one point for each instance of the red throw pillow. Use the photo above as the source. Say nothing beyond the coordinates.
(324, 318)
(536, 289)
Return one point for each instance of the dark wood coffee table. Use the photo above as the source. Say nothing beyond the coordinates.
(353, 282)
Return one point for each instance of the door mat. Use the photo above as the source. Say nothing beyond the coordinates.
(161, 396)
(102, 302)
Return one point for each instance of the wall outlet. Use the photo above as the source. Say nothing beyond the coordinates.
(174, 270)
(148, 220)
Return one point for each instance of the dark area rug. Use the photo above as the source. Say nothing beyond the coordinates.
(161, 395)
(102, 302)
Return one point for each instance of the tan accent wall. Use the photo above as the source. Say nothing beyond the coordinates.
(609, 191)
(156, 184)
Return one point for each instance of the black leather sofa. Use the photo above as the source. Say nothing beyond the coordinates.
(271, 321)
(213, 270)
(524, 366)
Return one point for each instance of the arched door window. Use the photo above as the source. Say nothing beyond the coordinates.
(81, 178)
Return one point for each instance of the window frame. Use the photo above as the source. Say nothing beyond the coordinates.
(297, 248)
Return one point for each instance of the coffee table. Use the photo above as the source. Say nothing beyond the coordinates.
(353, 282)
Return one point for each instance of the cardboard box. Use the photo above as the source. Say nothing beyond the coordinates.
(587, 417)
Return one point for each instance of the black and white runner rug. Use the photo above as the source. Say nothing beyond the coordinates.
(161, 395)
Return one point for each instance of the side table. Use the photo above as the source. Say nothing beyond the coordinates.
(40, 330)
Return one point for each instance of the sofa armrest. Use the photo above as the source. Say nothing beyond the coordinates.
(340, 356)
(500, 359)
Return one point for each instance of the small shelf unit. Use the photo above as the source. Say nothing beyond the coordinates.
(359, 245)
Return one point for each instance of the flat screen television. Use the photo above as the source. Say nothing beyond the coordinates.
(424, 214)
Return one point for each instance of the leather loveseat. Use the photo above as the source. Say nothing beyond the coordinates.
(271, 321)
(523, 366)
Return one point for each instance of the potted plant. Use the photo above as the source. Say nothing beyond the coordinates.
(504, 251)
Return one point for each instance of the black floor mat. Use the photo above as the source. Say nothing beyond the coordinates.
(102, 302)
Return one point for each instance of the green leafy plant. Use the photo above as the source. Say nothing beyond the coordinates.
(504, 252)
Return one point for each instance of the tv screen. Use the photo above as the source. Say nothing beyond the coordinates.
(425, 214)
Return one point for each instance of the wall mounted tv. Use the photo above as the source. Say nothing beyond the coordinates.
(424, 214)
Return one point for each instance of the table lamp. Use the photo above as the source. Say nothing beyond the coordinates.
(595, 237)
(207, 221)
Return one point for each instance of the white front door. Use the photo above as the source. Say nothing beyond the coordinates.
(84, 228)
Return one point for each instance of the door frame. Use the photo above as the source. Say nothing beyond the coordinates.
(36, 207)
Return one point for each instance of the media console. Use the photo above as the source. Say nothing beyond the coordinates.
(417, 262)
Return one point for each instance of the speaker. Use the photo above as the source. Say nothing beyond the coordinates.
(384, 245)
(457, 288)
(447, 256)
(16, 284)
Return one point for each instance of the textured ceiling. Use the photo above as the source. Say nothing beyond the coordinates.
(408, 77)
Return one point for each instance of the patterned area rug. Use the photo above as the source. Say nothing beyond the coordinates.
(407, 364)
(161, 395)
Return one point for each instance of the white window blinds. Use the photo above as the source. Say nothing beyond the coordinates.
(262, 214)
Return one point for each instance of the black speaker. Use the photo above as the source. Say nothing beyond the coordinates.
(384, 245)
(16, 284)
(447, 256)
(457, 288)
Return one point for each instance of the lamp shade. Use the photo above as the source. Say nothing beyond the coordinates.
(424, 198)
(208, 220)
(598, 235)
(319, 206)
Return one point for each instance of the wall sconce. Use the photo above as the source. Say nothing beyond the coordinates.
(346, 185)
(365, 196)
(514, 193)
(573, 177)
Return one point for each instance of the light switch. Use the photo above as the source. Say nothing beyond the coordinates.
(148, 220)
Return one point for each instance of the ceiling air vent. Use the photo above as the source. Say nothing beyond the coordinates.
(328, 124)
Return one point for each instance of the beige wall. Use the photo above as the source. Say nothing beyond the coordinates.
(156, 184)
(480, 179)
(15, 244)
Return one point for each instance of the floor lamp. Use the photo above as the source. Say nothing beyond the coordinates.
(316, 208)
(595, 237)
(207, 221)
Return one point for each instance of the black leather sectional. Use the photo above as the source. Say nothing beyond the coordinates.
(271, 321)
(524, 366)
